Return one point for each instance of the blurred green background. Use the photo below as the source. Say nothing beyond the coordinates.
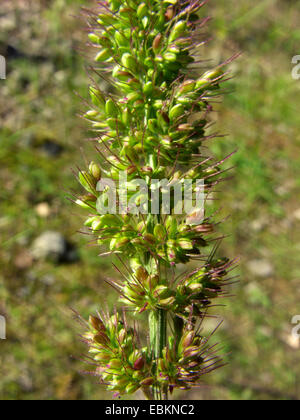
(41, 137)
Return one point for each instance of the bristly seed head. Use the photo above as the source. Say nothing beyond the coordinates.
(151, 128)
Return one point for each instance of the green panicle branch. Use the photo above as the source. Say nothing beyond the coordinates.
(152, 129)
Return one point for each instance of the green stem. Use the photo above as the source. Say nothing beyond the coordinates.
(157, 320)
(158, 340)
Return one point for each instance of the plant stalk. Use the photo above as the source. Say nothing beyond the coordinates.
(158, 340)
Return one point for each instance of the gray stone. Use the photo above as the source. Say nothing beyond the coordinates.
(48, 280)
(260, 268)
(296, 214)
(259, 224)
(50, 246)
